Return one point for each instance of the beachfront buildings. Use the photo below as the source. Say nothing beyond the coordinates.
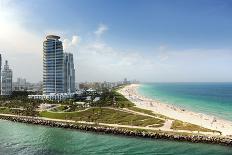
(53, 65)
(69, 73)
(6, 80)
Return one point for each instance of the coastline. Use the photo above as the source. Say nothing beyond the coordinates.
(168, 113)
(194, 138)
(173, 112)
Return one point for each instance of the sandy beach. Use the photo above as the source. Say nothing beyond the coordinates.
(206, 121)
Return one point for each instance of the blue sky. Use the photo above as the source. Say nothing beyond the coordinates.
(178, 23)
(148, 40)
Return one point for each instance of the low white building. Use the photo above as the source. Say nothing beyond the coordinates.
(52, 96)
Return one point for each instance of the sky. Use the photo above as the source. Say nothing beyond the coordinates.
(146, 40)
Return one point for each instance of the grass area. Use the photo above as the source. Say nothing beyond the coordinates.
(67, 108)
(148, 131)
(74, 108)
(105, 115)
(149, 112)
(121, 101)
(5, 110)
(114, 99)
(60, 108)
(25, 112)
(179, 125)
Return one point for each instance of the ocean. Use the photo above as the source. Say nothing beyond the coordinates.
(27, 139)
(209, 98)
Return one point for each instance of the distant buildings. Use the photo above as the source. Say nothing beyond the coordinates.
(23, 85)
(104, 85)
(21, 82)
(36, 87)
(125, 81)
(20, 85)
(6, 80)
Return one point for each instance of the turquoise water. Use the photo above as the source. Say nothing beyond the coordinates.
(210, 98)
(26, 139)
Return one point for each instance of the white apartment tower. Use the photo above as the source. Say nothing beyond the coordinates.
(53, 65)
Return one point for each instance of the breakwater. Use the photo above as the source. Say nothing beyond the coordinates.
(123, 131)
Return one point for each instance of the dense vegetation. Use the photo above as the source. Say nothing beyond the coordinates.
(19, 104)
(114, 99)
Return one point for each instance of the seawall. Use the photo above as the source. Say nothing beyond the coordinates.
(123, 131)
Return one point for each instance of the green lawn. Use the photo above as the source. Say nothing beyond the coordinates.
(179, 125)
(25, 112)
(60, 108)
(4, 110)
(105, 115)
(149, 112)
(121, 101)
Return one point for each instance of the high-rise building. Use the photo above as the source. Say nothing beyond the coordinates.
(69, 73)
(53, 65)
(0, 73)
(6, 80)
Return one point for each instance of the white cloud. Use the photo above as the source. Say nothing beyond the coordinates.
(101, 30)
(98, 61)
(75, 40)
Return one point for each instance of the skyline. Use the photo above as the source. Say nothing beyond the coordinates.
(153, 41)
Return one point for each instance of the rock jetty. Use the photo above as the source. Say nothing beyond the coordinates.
(123, 131)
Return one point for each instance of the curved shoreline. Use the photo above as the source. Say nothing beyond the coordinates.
(121, 131)
(200, 119)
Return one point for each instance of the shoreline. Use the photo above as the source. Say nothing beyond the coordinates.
(174, 112)
(119, 131)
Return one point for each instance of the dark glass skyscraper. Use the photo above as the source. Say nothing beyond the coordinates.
(0, 73)
(69, 73)
(53, 65)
